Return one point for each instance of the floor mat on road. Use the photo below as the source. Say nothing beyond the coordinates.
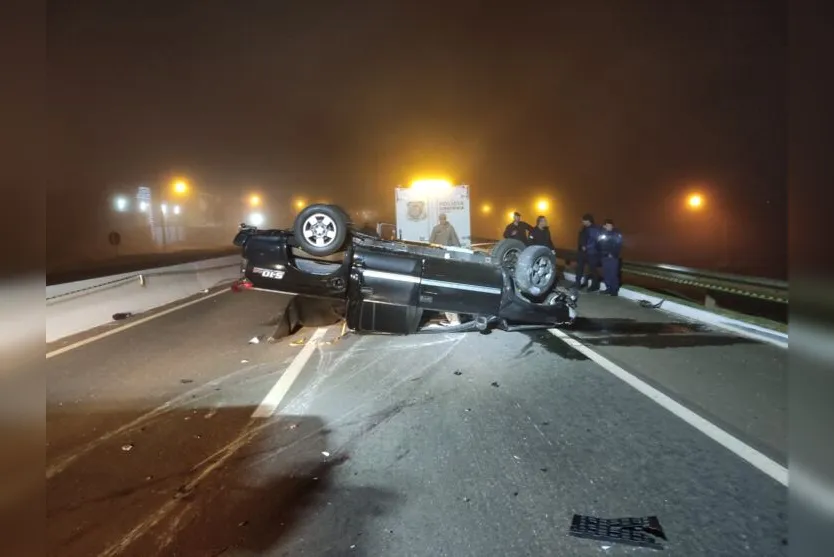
(641, 531)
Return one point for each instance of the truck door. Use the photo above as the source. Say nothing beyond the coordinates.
(460, 286)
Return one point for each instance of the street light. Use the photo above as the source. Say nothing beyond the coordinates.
(695, 201)
(486, 208)
(176, 209)
(299, 204)
(164, 208)
(121, 203)
(180, 187)
(511, 214)
(255, 201)
(542, 205)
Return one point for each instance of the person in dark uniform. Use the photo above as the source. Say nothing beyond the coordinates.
(586, 253)
(610, 243)
(518, 229)
(540, 234)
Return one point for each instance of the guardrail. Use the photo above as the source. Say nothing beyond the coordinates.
(79, 306)
(768, 289)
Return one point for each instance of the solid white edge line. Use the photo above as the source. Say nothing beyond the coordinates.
(743, 329)
(80, 343)
(278, 391)
(741, 449)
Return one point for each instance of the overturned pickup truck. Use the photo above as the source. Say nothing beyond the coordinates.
(396, 287)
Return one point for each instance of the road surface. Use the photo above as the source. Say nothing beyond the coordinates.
(431, 445)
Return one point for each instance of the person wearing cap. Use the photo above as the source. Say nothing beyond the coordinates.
(518, 229)
(586, 254)
(610, 243)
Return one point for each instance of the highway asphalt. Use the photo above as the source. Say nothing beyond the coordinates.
(436, 445)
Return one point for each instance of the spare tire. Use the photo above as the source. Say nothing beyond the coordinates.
(321, 229)
(535, 272)
(506, 253)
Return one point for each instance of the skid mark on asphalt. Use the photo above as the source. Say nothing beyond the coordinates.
(277, 393)
(300, 404)
(220, 458)
(62, 463)
(215, 461)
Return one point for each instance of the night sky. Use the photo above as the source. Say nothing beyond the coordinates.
(617, 107)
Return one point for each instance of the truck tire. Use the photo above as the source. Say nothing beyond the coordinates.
(506, 253)
(535, 272)
(321, 230)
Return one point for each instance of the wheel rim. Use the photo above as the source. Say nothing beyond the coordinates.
(319, 230)
(541, 272)
(510, 259)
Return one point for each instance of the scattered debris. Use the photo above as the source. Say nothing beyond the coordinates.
(648, 305)
(255, 340)
(517, 458)
(641, 531)
(204, 290)
(298, 342)
(468, 409)
(293, 426)
(244, 361)
(325, 453)
(148, 478)
(515, 493)
(458, 372)
(543, 469)
(186, 381)
(128, 447)
(121, 315)
(466, 499)
(494, 383)
(545, 423)
(243, 523)
(353, 546)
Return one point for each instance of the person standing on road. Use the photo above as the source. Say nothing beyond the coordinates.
(518, 229)
(444, 233)
(610, 244)
(540, 234)
(586, 254)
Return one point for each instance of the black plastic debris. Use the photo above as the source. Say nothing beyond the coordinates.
(641, 532)
(648, 305)
(121, 315)
(186, 381)
(458, 372)
(494, 383)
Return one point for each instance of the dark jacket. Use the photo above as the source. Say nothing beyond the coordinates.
(588, 236)
(517, 232)
(610, 244)
(540, 237)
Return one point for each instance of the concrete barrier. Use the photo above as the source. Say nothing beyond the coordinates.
(76, 307)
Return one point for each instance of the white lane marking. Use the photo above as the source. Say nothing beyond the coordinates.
(741, 449)
(105, 334)
(275, 395)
